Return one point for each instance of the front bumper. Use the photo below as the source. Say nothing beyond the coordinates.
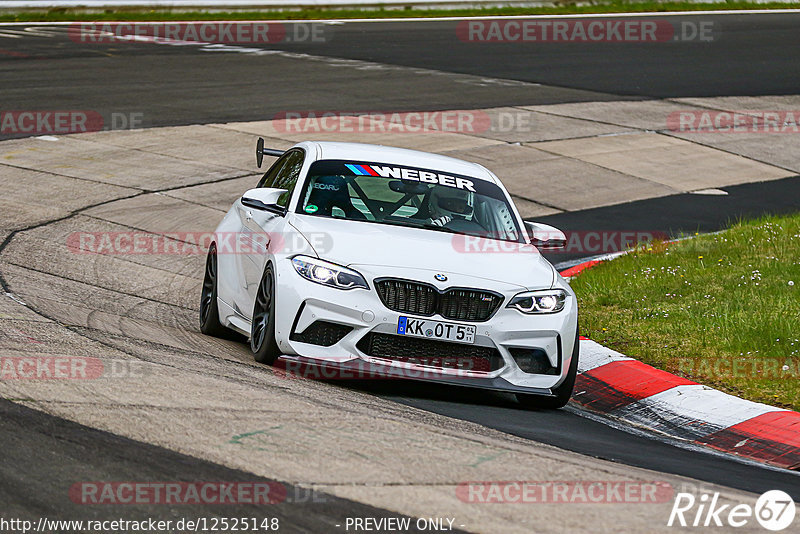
(302, 303)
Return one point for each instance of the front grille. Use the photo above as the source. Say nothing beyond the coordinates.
(431, 353)
(423, 299)
(468, 304)
(322, 333)
(408, 297)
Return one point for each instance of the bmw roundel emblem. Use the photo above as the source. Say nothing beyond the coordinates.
(440, 277)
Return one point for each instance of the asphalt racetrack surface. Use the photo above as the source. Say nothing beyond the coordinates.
(424, 66)
(174, 85)
(42, 454)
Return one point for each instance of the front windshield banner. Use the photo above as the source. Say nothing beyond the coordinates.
(416, 175)
(414, 197)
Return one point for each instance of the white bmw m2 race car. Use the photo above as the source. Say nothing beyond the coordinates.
(399, 262)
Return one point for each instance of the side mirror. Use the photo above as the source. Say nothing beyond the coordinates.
(545, 237)
(264, 198)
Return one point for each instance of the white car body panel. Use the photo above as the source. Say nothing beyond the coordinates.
(367, 244)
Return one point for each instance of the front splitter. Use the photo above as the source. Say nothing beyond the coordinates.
(358, 369)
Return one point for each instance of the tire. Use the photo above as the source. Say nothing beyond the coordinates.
(209, 312)
(262, 332)
(563, 392)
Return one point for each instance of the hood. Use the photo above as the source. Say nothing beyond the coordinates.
(353, 243)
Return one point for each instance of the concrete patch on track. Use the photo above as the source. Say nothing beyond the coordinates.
(664, 160)
(528, 172)
(206, 397)
(647, 115)
(776, 149)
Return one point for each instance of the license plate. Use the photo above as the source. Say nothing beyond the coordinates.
(460, 333)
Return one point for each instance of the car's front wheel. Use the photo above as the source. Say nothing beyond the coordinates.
(262, 333)
(562, 393)
(209, 313)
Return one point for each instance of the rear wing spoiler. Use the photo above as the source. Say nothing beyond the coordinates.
(261, 151)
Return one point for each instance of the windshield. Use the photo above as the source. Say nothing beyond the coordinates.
(408, 196)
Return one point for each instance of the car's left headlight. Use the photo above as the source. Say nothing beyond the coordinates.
(543, 301)
(327, 273)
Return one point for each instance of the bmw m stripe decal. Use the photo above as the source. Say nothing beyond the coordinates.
(356, 169)
(362, 170)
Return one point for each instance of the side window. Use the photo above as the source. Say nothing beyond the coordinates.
(284, 174)
(269, 177)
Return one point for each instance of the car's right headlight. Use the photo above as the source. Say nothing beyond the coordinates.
(542, 301)
(327, 273)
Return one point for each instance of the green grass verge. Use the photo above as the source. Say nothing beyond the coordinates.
(614, 6)
(723, 309)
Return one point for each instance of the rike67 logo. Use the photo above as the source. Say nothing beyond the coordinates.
(774, 510)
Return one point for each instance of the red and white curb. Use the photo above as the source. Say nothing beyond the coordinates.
(630, 391)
